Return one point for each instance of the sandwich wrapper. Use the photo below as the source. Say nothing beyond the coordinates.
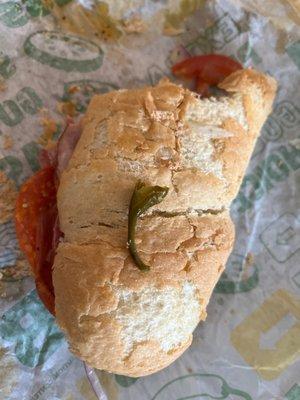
(249, 346)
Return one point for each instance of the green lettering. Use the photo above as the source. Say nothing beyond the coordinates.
(36, 8)
(276, 168)
(202, 43)
(233, 281)
(125, 381)
(288, 114)
(7, 69)
(88, 87)
(29, 101)
(31, 152)
(271, 129)
(291, 155)
(12, 167)
(22, 323)
(66, 52)
(241, 203)
(10, 113)
(253, 184)
(189, 388)
(294, 52)
(293, 393)
(260, 171)
(12, 14)
(55, 375)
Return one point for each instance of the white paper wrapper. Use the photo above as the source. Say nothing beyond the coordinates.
(249, 346)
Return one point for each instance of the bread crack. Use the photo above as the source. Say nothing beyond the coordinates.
(172, 214)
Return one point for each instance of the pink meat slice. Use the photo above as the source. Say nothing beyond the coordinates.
(49, 233)
(59, 155)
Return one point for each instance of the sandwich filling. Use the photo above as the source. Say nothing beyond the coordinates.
(36, 215)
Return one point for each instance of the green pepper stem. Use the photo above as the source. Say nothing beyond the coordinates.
(142, 199)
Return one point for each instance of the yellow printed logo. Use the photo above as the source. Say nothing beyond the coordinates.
(269, 338)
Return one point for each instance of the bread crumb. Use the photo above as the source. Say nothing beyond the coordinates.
(7, 142)
(44, 112)
(66, 108)
(48, 4)
(134, 25)
(16, 272)
(8, 196)
(249, 259)
(3, 293)
(3, 86)
(94, 21)
(73, 89)
(169, 30)
(50, 128)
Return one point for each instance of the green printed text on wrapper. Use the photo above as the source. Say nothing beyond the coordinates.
(31, 330)
(285, 117)
(125, 381)
(13, 167)
(63, 52)
(215, 37)
(238, 276)
(13, 110)
(12, 14)
(294, 52)
(87, 88)
(281, 237)
(293, 393)
(277, 167)
(200, 386)
(17, 13)
(7, 67)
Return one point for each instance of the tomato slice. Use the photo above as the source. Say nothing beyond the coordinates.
(202, 87)
(35, 220)
(208, 69)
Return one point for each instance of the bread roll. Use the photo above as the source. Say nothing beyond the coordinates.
(116, 317)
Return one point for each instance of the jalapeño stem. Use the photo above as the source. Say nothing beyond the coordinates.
(142, 199)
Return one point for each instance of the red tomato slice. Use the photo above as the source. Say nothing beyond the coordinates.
(202, 87)
(35, 219)
(210, 69)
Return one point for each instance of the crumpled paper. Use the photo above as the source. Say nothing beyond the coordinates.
(249, 346)
(283, 13)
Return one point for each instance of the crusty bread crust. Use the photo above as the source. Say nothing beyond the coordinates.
(144, 134)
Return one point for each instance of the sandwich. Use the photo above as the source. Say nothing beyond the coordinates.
(127, 224)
